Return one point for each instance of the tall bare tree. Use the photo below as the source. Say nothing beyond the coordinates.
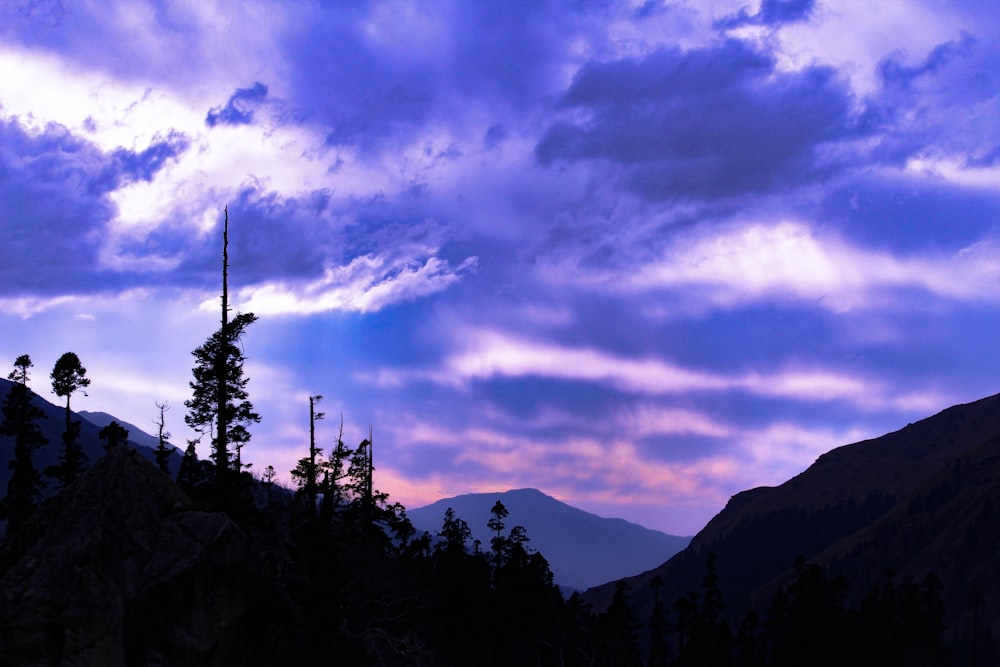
(162, 451)
(220, 403)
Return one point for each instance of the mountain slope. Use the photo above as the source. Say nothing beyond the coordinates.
(583, 549)
(52, 428)
(917, 500)
(135, 434)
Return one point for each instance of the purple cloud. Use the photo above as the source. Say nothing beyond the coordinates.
(240, 107)
(711, 122)
(54, 195)
(771, 13)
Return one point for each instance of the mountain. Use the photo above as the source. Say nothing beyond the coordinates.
(52, 428)
(582, 549)
(135, 434)
(923, 499)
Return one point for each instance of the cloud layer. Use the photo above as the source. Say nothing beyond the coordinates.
(638, 255)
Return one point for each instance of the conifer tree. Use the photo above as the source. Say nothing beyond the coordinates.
(114, 436)
(455, 534)
(306, 472)
(269, 476)
(68, 376)
(497, 514)
(220, 402)
(20, 414)
(619, 629)
(361, 471)
(191, 472)
(336, 469)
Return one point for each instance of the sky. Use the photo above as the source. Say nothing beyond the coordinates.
(638, 255)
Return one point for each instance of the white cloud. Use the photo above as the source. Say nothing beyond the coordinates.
(957, 172)
(368, 284)
(856, 37)
(645, 420)
(492, 354)
(789, 260)
(28, 306)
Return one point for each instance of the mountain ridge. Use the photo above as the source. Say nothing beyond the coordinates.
(91, 423)
(913, 501)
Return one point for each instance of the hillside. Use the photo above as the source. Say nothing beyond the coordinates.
(583, 549)
(919, 500)
(52, 428)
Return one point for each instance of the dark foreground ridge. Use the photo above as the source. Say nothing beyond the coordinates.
(121, 568)
(881, 553)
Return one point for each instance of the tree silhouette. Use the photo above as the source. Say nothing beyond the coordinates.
(360, 472)
(68, 376)
(191, 472)
(709, 640)
(306, 472)
(619, 628)
(269, 476)
(162, 451)
(455, 534)
(497, 514)
(335, 470)
(220, 402)
(20, 414)
(114, 436)
(658, 652)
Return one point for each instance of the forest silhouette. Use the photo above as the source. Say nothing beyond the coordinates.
(333, 572)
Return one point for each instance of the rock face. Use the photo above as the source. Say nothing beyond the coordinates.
(119, 569)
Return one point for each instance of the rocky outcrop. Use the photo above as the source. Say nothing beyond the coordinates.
(120, 569)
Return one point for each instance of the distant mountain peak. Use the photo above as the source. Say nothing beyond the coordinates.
(583, 549)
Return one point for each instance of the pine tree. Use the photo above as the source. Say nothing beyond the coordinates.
(360, 472)
(497, 514)
(455, 535)
(68, 376)
(20, 414)
(335, 470)
(619, 629)
(191, 472)
(220, 402)
(269, 476)
(114, 436)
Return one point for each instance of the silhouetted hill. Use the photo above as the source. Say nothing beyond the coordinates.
(922, 499)
(583, 549)
(120, 568)
(135, 434)
(52, 427)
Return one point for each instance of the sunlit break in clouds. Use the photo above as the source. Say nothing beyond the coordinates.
(638, 255)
